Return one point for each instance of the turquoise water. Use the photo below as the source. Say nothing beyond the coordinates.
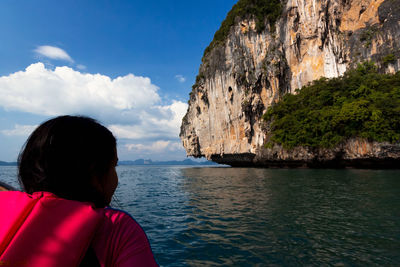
(246, 216)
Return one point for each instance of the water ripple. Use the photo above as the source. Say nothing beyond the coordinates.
(258, 217)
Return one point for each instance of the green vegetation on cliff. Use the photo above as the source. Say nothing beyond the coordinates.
(363, 103)
(261, 10)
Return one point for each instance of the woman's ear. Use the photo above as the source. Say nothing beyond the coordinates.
(98, 193)
(97, 185)
(95, 179)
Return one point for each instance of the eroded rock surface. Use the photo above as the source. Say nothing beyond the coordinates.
(239, 80)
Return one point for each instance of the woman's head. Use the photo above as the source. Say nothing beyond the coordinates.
(72, 157)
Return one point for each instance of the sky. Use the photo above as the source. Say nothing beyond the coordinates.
(128, 64)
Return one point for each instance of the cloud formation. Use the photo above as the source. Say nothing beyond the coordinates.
(158, 146)
(129, 105)
(20, 130)
(63, 91)
(180, 78)
(164, 122)
(53, 52)
(81, 67)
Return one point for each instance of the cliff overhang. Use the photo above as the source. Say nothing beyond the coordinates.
(355, 153)
(240, 160)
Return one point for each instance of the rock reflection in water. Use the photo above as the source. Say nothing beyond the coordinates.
(291, 217)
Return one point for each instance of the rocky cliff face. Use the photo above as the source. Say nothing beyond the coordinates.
(239, 80)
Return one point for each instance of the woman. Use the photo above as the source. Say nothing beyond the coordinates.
(67, 169)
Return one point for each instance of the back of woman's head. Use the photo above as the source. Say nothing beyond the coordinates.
(67, 156)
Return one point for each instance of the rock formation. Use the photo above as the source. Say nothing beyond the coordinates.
(241, 78)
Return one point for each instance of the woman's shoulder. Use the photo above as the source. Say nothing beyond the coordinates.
(122, 221)
(120, 238)
(118, 216)
(121, 224)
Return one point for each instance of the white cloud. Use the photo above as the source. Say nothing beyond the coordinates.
(81, 67)
(155, 147)
(180, 78)
(129, 105)
(63, 90)
(53, 53)
(20, 130)
(160, 121)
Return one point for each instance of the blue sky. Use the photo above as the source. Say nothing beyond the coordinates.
(129, 64)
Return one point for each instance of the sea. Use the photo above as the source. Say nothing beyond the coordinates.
(220, 216)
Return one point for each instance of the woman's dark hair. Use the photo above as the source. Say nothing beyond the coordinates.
(64, 155)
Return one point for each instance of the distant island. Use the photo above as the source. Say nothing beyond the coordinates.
(4, 163)
(144, 162)
(171, 162)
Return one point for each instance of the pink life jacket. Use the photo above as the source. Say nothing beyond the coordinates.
(44, 230)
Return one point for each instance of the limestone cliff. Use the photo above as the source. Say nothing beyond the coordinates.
(239, 79)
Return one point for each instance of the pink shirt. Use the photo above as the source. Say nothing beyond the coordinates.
(120, 241)
(44, 230)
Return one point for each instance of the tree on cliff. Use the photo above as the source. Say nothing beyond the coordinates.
(362, 103)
